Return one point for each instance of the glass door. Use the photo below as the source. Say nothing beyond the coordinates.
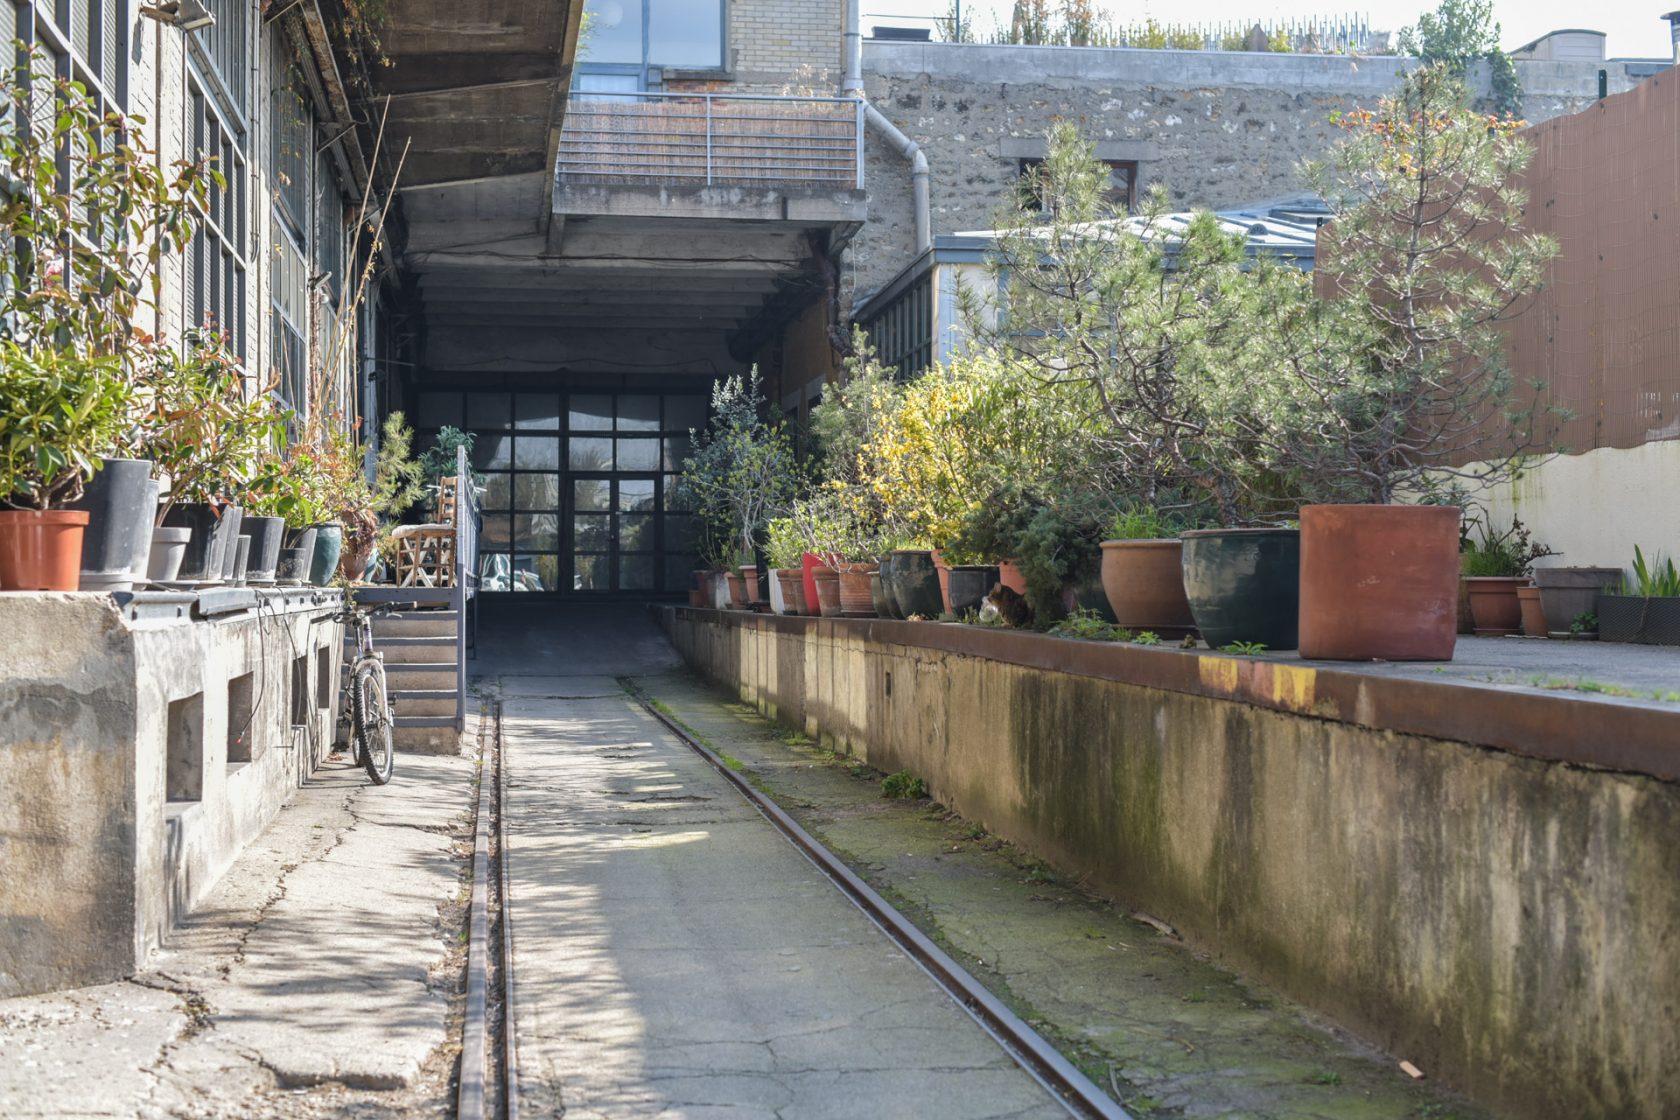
(615, 532)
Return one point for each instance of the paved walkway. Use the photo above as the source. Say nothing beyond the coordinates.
(314, 981)
(675, 956)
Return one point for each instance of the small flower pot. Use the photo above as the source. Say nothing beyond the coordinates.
(855, 598)
(1533, 614)
(1144, 581)
(207, 549)
(1379, 582)
(227, 529)
(749, 575)
(970, 584)
(1244, 585)
(41, 550)
(266, 535)
(1494, 604)
(169, 545)
(828, 591)
(1088, 595)
(696, 598)
(912, 584)
(944, 580)
(791, 581)
(296, 557)
(1010, 576)
(737, 591)
(241, 561)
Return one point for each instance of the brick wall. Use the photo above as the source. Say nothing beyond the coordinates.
(787, 46)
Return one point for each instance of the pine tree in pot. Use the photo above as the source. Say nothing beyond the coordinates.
(1396, 382)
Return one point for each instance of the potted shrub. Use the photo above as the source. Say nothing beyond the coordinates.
(61, 409)
(1645, 610)
(1142, 574)
(1495, 567)
(785, 550)
(1396, 379)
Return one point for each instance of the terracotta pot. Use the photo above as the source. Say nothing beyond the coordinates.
(737, 591)
(1244, 585)
(1144, 582)
(944, 570)
(912, 584)
(828, 591)
(855, 599)
(1010, 576)
(1533, 614)
(970, 584)
(1494, 604)
(790, 587)
(696, 597)
(808, 565)
(749, 573)
(1379, 582)
(41, 550)
(355, 556)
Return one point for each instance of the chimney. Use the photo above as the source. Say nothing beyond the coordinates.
(1673, 19)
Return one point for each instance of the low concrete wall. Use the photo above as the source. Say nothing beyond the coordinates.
(141, 748)
(1510, 924)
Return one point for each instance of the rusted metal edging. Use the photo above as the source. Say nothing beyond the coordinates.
(510, 1052)
(1042, 1061)
(469, 1100)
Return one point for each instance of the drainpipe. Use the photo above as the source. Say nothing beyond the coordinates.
(1673, 19)
(906, 147)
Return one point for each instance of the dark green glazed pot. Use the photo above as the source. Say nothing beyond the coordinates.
(889, 564)
(329, 541)
(970, 584)
(912, 585)
(1244, 585)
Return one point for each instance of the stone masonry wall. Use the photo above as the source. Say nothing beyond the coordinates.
(1218, 128)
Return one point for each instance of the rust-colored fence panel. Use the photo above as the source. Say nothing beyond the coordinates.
(1604, 335)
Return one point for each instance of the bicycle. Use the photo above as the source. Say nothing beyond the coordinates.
(372, 713)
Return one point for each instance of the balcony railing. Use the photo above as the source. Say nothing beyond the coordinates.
(713, 140)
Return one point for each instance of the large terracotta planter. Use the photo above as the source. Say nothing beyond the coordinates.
(737, 591)
(1010, 576)
(912, 584)
(41, 550)
(1568, 593)
(828, 591)
(855, 599)
(1494, 605)
(1244, 585)
(969, 585)
(1144, 583)
(749, 575)
(1379, 582)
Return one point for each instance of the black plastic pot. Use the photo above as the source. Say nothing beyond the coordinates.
(1088, 595)
(878, 595)
(970, 584)
(207, 550)
(119, 527)
(266, 534)
(1244, 585)
(1646, 622)
(912, 585)
(296, 557)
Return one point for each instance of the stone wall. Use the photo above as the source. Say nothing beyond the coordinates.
(1217, 128)
(140, 750)
(1509, 923)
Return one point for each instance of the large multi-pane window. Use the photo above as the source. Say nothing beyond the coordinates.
(291, 163)
(629, 37)
(217, 104)
(83, 39)
(580, 489)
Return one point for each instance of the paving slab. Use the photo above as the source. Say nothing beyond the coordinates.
(675, 956)
(322, 958)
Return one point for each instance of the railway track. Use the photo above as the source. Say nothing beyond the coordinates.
(489, 1077)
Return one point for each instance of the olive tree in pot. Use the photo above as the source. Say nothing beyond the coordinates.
(1395, 381)
(742, 471)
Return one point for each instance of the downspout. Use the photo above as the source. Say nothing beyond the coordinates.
(906, 147)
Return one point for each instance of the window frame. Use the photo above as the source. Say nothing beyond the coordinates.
(646, 67)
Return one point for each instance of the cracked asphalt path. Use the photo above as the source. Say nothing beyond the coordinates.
(315, 979)
(674, 956)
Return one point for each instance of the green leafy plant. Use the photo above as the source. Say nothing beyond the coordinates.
(1460, 32)
(1249, 649)
(903, 786)
(743, 471)
(1147, 638)
(1584, 623)
(1143, 524)
(1510, 553)
(784, 547)
(398, 477)
(61, 410)
(1658, 579)
(439, 460)
(1089, 626)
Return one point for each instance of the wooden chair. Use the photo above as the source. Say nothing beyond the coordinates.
(425, 555)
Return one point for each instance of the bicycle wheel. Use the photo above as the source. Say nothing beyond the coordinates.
(371, 719)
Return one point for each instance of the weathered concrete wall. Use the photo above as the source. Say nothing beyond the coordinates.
(1509, 924)
(1219, 128)
(108, 833)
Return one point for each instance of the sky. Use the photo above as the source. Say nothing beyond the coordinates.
(1635, 27)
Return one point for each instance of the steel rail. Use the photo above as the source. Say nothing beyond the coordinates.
(469, 1098)
(510, 1064)
(1042, 1061)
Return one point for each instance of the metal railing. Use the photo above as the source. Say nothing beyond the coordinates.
(465, 591)
(713, 139)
